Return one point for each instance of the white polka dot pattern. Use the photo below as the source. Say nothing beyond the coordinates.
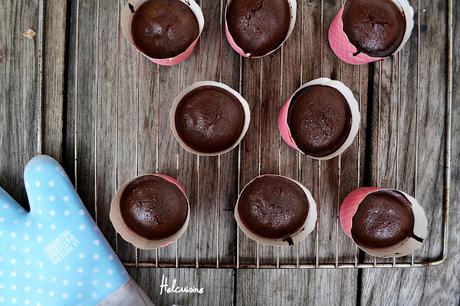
(57, 242)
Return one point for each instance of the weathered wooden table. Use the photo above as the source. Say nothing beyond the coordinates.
(78, 92)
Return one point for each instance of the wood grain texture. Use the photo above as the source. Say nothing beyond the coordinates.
(217, 285)
(250, 146)
(167, 88)
(189, 244)
(418, 112)
(127, 123)
(71, 71)
(119, 103)
(147, 127)
(277, 286)
(113, 124)
(209, 69)
(294, 287)
(20, 93)
(352, 161)
(311, 56)
(228, 175)
(449, 285)
(81, 102)
(330, 182)
(54, 46)
(329, 179)
(270, 141)
(106, 115)
(289, 159)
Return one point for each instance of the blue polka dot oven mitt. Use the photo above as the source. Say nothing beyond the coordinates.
(55, 254)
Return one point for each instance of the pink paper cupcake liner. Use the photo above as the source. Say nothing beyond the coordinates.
(306, 229)
(350, 205)
(131, 236)
(347, 52)
(285, 131)
(231, 41)
(126, 20)
(172, 116)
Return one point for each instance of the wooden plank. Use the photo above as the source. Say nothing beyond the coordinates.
(270, 140)
(93, 118)
(427, 150)
(201, 234)
(20, 94)
(127, 123)
(385, 124)
(291, 71)
(218, 285)
(250, 146)
(451, 293)
(395, 123)
(312, 37)
(92, 122)
(53, 77)
(168, 84)
(431, 123)
(106, 115)
(189, 244)
(209, 63)
(261, 147)
(147, 127)
(275, 292)
(71, 91)
(330, 181)
(437, 285)
(229, 73)
(352, 162)
(81, 100)
(294, 287)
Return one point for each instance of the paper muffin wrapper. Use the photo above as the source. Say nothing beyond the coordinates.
(233, 44)
(285, 131)
(350, 205)
(296, 237)
(130, 235)
(172, 116)
(127, 14)
(345, 50)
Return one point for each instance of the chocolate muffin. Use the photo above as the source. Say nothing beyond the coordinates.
(319, 119)
(258, 26)
(383, 219)
(273, 207)
(153, 207)
(374, 27)
(209, 119)
(164, 28)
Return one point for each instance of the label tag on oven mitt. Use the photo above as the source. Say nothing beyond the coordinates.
(56, 255)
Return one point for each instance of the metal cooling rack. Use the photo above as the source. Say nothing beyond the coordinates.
(316, 261)
(337, 264)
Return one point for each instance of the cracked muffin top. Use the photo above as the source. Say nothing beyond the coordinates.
(258, 26)
(153, 207)
(374, 27)
(164, 28)
(209, 119)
